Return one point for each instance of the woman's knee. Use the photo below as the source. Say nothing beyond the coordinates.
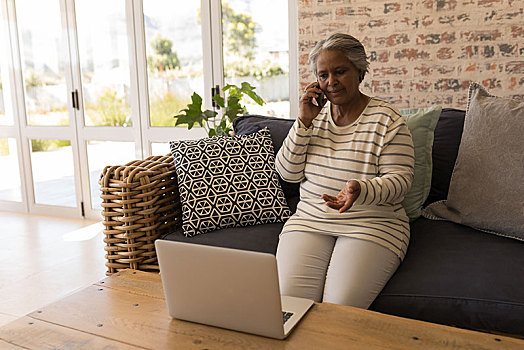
(302, 263)
(358, 272)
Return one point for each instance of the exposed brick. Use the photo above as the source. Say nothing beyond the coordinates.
(481, 35)
(380, 86)
(491, 83)
(303, 59)
(420, 86)
(373, 23)
(393, 40)
(428, 51)
(445, 53)
(379, 56)
(508, 50)
(451, 84)
(446, 5)
(325, 29)
(411, 54)
(489, 3)
(504, 16)
(389, 71)
(391, 7)
(315, 16)
(342, 12)
(427, 70)
(415, 23)
(517, 31)
(515, 67)
(398, 85)
(306, 29)
(476, 51)
(443, 38)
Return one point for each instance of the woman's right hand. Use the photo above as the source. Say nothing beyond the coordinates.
(308, 109)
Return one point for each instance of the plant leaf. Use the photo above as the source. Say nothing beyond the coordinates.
(219, 100)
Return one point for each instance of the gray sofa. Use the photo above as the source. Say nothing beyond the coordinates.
(452, 274)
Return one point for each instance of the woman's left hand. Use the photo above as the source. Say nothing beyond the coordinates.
(345, 198)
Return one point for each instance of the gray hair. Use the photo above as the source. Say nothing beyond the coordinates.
(345, 43)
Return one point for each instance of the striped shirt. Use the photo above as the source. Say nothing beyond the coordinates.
(376, 150)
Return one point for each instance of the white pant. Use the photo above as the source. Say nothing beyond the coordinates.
(339, 270)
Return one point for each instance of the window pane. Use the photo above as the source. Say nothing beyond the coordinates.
(101, 154)
(10, 188)
(53, 175)
(174, 57)
(256, 50)
(42, 49)
(104, 61)
(4, 120)
(160, 148)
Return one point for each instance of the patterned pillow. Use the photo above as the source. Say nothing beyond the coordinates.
(228, 181)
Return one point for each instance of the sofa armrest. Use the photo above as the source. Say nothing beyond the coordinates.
(140, 203)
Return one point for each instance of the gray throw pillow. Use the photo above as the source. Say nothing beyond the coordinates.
(486, 190)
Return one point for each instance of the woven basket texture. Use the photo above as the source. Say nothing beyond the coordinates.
(140, 203)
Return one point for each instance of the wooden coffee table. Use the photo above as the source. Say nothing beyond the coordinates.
(128, 311)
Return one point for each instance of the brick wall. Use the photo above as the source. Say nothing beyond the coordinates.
(424, 52)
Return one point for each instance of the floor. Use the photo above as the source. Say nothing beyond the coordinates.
(43, 259)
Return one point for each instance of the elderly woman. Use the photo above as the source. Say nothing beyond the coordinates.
(353, 156)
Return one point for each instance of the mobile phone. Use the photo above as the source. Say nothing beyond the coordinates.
(320, 99)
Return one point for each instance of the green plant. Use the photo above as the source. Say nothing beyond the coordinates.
(209, 119)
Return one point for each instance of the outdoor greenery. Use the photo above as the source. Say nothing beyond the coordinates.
(230, 105)
(163, 107)
(163, 58)
(4, 147)
(239, 33)
(41, 145)
(244, 68)
(109, 110)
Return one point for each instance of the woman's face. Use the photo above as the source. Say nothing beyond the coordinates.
(338, 77)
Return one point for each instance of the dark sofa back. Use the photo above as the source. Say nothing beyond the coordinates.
(448, 134)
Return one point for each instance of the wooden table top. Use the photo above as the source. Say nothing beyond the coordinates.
(128, 311)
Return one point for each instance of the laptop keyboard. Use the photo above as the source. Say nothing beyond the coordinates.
(286, 315)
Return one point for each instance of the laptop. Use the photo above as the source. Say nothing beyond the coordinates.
(227, 288)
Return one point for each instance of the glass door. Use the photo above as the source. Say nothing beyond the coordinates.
(177, 45)
(107, 129)
(90, 83)
(255, 39)
(46, 116)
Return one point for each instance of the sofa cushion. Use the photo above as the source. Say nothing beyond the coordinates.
(421, 123)
(258, 238)
(447, 136)
(485, 191)
(279, 128)
(455, 275)
(228, 182)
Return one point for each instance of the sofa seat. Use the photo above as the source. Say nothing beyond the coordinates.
(473, 280)
(258, 238)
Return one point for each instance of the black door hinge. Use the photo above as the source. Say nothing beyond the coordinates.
(82, 209)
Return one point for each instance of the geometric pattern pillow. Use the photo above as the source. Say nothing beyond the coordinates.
(228, 181)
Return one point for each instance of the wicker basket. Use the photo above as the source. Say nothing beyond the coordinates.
(140, 203)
